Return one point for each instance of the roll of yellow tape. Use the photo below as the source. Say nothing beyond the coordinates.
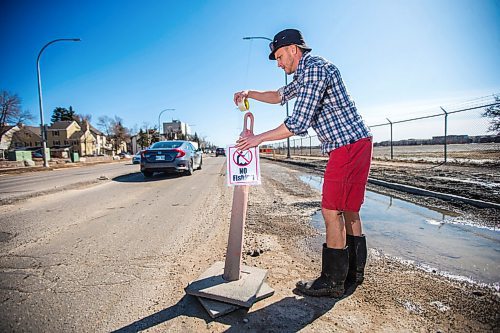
(243, 105)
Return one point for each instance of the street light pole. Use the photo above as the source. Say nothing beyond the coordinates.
(159, 124)
(287, 115)
(286, 82)
(40, 103)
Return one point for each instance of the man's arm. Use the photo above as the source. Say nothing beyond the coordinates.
(271, 96)
(280, 132)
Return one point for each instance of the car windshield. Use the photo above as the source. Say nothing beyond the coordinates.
(166, 144)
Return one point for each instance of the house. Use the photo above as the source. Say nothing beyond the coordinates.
(27, 136)
(119, 146)
(101, 145)
(69, 135)
(6, 140)
(20, 136)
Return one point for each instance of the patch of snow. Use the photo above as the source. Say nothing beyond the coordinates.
(440, 306)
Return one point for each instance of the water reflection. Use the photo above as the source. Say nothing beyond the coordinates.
(433, 239)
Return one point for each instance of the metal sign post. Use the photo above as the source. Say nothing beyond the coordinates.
(227, 286)
(232, 267)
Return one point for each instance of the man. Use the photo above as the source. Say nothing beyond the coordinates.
(322, 102)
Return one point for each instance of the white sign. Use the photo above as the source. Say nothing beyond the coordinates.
(243, 166)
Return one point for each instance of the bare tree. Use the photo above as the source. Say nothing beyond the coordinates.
(81, 118)
(493, 112)
(105, 125)
(121, 133)
(11, 111)
(114, 130)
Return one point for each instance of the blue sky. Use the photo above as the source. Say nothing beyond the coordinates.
(137, 58)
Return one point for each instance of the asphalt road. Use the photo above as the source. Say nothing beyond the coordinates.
(85, 259)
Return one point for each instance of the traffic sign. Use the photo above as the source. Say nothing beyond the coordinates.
(243, 166)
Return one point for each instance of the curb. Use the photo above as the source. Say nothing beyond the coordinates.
(37, 168)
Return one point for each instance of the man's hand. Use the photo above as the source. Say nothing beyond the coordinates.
(248, 142)
(239, 96)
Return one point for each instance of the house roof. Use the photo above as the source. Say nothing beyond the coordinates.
(95, 130)
(5, 129)
(34, 129)
(77, 135)
(60, 125)
(91, 128)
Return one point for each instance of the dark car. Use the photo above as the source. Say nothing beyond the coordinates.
(36, 154)
(171, 156)
(220, 151)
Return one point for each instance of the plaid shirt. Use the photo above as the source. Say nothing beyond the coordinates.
(323, 103)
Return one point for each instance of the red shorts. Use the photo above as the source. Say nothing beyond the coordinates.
(346, 176)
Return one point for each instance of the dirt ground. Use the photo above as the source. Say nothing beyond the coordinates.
(395, 297)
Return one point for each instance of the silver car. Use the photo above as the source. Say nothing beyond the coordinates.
(171, 156)
(137, 158)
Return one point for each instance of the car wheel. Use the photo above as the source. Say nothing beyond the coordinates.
(201, 162)
(147, 174)
(190, 170)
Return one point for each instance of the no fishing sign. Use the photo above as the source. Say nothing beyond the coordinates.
(243, 166)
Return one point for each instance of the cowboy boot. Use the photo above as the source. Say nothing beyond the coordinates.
(357, 258)
(335, 263)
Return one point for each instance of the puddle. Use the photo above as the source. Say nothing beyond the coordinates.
(434, 240)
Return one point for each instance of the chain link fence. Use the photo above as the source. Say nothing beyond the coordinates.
(458, 133)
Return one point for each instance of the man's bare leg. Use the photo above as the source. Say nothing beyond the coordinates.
(353, 224)
(335, 228)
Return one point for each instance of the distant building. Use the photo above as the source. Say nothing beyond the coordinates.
(436, 140)
(450, 139)
(175, 130)
(485, 138)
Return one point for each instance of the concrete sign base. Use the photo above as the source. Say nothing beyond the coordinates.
(242, 292)
(216, 309)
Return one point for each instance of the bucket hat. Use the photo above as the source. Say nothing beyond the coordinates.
(285, 38)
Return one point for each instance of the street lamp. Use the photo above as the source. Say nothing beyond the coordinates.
(40, 103)
(159, 124)
(286, 82)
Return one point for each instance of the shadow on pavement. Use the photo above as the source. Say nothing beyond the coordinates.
(137, 177)
(290, 314)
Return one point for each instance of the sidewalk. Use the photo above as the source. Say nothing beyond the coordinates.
(53, 164)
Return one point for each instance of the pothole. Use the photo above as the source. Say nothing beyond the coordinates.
(5, 236)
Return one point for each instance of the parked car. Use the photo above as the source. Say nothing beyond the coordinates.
(171, 156)
(124, 155)
(220, 151)
(36, 154)
(137, 158)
